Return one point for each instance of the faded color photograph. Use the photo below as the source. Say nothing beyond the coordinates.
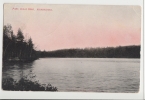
(71, 48)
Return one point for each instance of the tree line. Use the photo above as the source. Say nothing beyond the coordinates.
(108, 52)
(16, 47)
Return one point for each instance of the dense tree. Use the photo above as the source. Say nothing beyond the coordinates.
(109, 52)
(7, 39)
(20, 36)
(14, 46)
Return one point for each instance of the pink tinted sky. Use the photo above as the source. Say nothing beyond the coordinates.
(76, 26)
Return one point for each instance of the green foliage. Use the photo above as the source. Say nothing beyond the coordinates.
(26, 83)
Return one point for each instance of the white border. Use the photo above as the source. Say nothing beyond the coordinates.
(73, 95)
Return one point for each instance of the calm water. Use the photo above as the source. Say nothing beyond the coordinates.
(82, 74)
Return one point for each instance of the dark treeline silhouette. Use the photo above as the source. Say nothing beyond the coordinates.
(109, 52)
(16, 47)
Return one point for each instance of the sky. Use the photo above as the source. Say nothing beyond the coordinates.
(75, 26)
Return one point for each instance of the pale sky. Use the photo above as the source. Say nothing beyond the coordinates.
(76, 26)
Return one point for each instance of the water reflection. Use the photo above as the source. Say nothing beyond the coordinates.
(17, 70)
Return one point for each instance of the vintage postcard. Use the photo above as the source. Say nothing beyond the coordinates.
(71, 48)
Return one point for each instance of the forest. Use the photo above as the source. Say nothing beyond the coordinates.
(108, 52)
(18, 48)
